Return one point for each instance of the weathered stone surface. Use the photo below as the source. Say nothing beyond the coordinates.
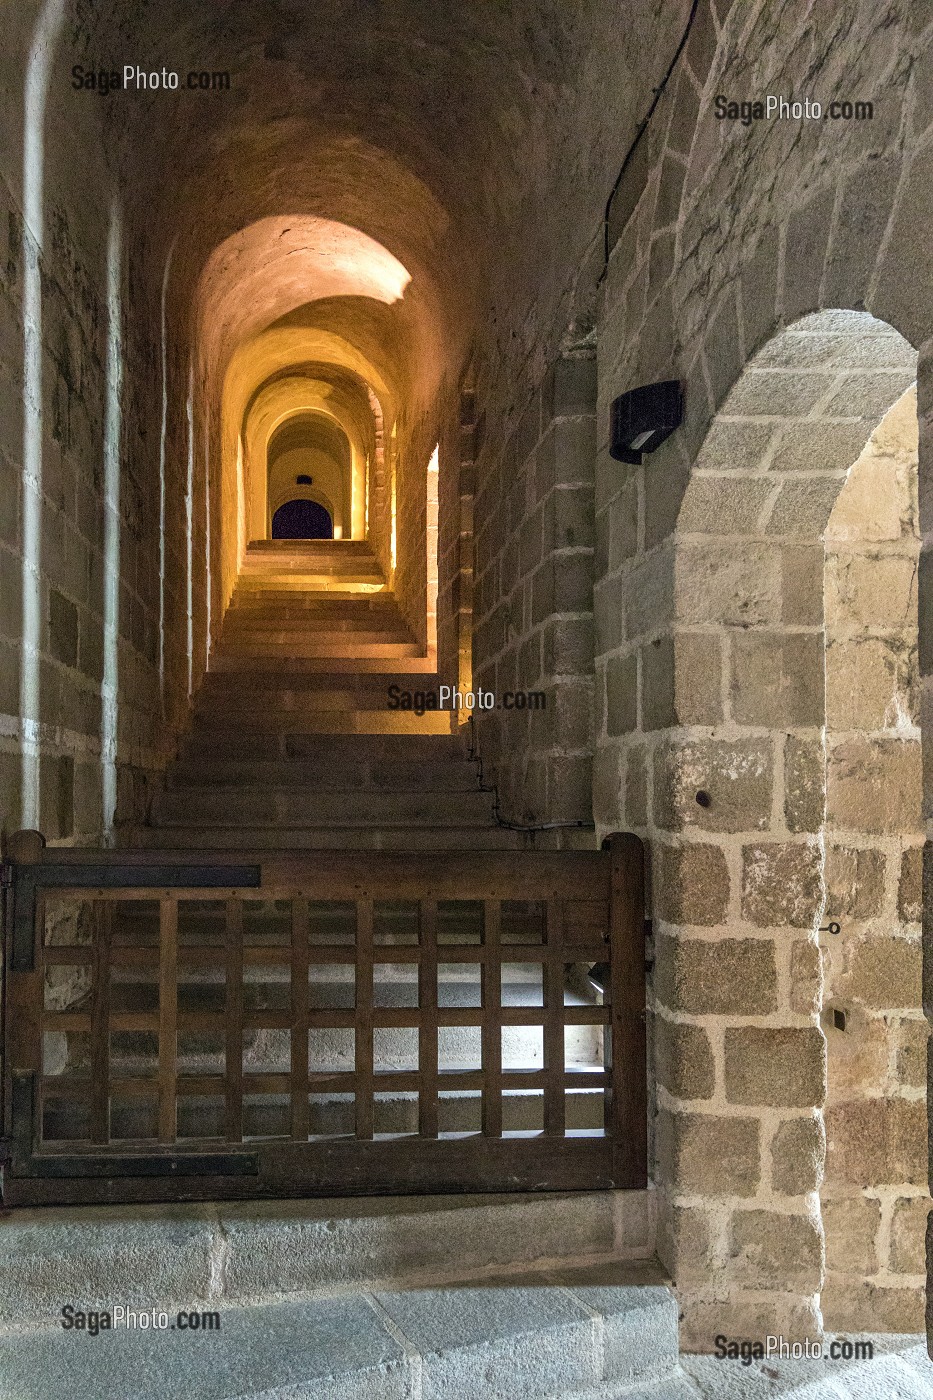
(684, 1059)
(781, 884)
(691, 884)
(869, 682)
(854, 882)
(874, 785)
(777, 678)
(784, 1068)
(872, 592)
(910, 886)
(851, 1228)
(479, 1340)
(709, 1155)
(714, 978)
(740, 586)
(804, 785)
(797, 1152)
(908, 1234)
(735, 779)
(883, 973)
(685, 1243)
(769, 1245)
(806, 986)
(876, 1141)
(863, 1306)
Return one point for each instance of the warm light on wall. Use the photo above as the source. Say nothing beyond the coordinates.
(112, 428)
(44, 43)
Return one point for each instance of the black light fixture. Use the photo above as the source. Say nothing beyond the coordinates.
(304, 480)
(643, 418)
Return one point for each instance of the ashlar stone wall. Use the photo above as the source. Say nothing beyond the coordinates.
(874, 1197)
(533, 600)
(721, 239)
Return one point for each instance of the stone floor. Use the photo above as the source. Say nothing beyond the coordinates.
(899, 1370)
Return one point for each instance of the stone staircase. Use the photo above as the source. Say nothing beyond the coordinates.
(445, 1298)
(292, 746)
(292, 743)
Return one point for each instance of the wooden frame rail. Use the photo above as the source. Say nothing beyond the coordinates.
(183, 1026)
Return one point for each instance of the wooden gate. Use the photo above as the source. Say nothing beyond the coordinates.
(181, 1027)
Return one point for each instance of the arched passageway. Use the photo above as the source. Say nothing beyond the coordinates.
(302, 519)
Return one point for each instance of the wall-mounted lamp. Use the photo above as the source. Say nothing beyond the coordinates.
(304, 480)
(643, 418)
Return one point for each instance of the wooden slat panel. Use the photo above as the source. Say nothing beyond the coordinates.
(100, 1024)
(427, 1034)
(233, 1058)
(627, 1120)
(492, 1020)
(364, 1018)
(299, 1026)
(168, 1010)
(576, 888)
(554, 1116)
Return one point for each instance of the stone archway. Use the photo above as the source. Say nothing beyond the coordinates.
(731, 747)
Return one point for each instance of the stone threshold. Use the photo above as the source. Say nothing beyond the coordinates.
(581, 1334)
(270, 1251)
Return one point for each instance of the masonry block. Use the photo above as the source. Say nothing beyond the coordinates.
(734, 779)
(777, 678)
(781, 884)
(691, 884)
(768, 1245)
(881, 1140)
(780, 1067)
(709, 1155)
(684, 1059)
(874, 785)
(798, 1150)
(727, 976)
(854, 882)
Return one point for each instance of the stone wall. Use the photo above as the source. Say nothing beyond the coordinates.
(534, 552)
(721, 235)
(69, 438)
(874, 1195)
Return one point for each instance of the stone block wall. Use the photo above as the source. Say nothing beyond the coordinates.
(58, 313)
(710, 605)
(874, 1195)
(534, 550)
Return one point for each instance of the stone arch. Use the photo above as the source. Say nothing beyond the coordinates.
(730, 752)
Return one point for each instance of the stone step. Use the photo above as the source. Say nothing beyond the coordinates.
(262, 631)
(350, 838)
(271, 662)
(324, 775)
(359, 628)
(257, 549)
(581, 1335)
(294, 694)
(252, 598)
(297, 642)
(222, 742)
(248, 1253)
(326, 722)
(289, 807)
(254, 592)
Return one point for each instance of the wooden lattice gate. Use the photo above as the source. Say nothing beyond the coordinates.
(214, 1026)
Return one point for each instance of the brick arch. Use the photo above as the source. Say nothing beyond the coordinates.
(724, 772)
